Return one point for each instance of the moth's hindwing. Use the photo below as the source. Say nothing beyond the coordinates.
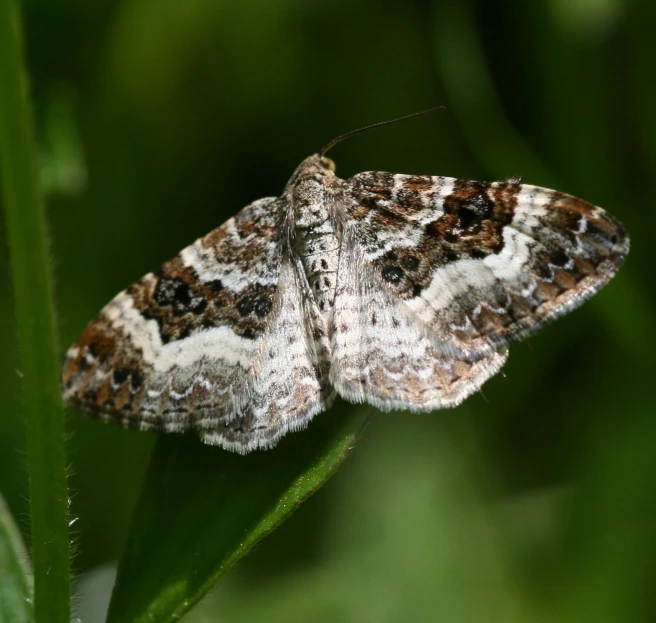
(384, 355)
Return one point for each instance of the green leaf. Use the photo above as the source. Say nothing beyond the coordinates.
(39, 356)
(202, 509)
(15, 584)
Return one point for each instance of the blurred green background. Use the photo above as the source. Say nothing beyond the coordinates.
(159, 119)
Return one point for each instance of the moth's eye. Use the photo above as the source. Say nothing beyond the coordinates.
(327, 162)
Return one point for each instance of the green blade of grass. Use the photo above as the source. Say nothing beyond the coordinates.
(202, 509)
(35, 320)
(15, 584)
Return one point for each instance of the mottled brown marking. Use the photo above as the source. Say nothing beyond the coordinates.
(583, 266)
(565, 279)
(488, 320)
(448, 238)
(222, 307)
(547, 291)
(100, 339)
(419, 183)
(520, 307)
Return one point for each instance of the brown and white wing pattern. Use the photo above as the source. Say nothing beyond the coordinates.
(480, 265)
(219, 340)
(397, 290)
(384, 355)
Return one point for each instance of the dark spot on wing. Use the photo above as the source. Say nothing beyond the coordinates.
(474, 209)
(559, 258)
(176, 294)
(410, 262)
(216, 285)
(257, 303)
(392, 274)
(467, 207)
(136, 380)
(120, 376)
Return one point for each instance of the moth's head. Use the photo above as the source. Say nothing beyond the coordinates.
(328, 163)
(315, 165)
(311, 179)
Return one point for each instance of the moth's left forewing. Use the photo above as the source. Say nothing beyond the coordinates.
(206, 342)
(138, 365)
(178, 344)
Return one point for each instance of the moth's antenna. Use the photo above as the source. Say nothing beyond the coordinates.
(339, 139)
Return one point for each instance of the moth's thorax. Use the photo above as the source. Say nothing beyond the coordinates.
(312, 192)
(309, 192)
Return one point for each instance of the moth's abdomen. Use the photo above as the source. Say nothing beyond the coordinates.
(318, 248)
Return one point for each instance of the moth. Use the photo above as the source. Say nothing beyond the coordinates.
(401, 291)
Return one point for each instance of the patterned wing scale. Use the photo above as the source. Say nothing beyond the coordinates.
(481, 264)
(177, 350)
(385, 356)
